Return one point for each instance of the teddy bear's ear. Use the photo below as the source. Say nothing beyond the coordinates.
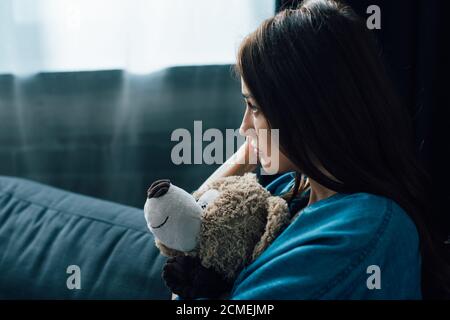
(278, 217)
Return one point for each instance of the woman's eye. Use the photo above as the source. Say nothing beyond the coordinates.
(252, 107)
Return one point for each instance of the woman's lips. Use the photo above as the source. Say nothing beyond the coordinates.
(255, 148)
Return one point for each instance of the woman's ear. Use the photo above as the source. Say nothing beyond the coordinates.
(278, 217)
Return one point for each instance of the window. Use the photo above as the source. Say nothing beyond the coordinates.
(139, 36)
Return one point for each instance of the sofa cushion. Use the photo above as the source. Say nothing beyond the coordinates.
(44, 230)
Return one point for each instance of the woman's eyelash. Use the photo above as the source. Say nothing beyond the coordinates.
(252, 107)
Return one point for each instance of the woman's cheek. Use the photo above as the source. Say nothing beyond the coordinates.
(269, 156)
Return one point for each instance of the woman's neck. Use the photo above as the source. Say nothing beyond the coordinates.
(318, 192)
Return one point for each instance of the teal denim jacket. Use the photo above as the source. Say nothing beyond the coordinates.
(347, 246)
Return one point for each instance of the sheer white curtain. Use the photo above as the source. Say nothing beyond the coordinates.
(139, 36)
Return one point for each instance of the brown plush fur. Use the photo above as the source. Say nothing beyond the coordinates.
(166, 251)
(239, 224)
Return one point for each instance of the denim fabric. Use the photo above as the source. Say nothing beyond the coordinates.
(327, 249)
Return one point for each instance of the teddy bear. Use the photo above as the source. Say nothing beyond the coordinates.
(213, 233)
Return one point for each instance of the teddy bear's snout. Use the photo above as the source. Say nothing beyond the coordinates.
(158, 188)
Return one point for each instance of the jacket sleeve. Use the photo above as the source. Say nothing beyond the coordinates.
(325, 254)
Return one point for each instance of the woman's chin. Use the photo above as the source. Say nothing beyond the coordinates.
(268, 167)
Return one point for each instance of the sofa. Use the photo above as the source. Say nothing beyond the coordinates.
(45, 230)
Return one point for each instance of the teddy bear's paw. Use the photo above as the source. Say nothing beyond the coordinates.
(189, 279)
(176, 274)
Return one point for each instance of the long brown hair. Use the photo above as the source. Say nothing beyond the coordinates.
(316, 75)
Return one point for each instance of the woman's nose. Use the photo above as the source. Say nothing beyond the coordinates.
(246, 128)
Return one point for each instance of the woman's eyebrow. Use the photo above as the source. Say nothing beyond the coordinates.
(246, 95)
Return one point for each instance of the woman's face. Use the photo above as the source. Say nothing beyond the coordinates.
(263, 140)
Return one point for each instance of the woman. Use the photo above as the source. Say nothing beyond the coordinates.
(357, 194)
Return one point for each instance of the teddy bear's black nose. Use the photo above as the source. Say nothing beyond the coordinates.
(158, 188)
